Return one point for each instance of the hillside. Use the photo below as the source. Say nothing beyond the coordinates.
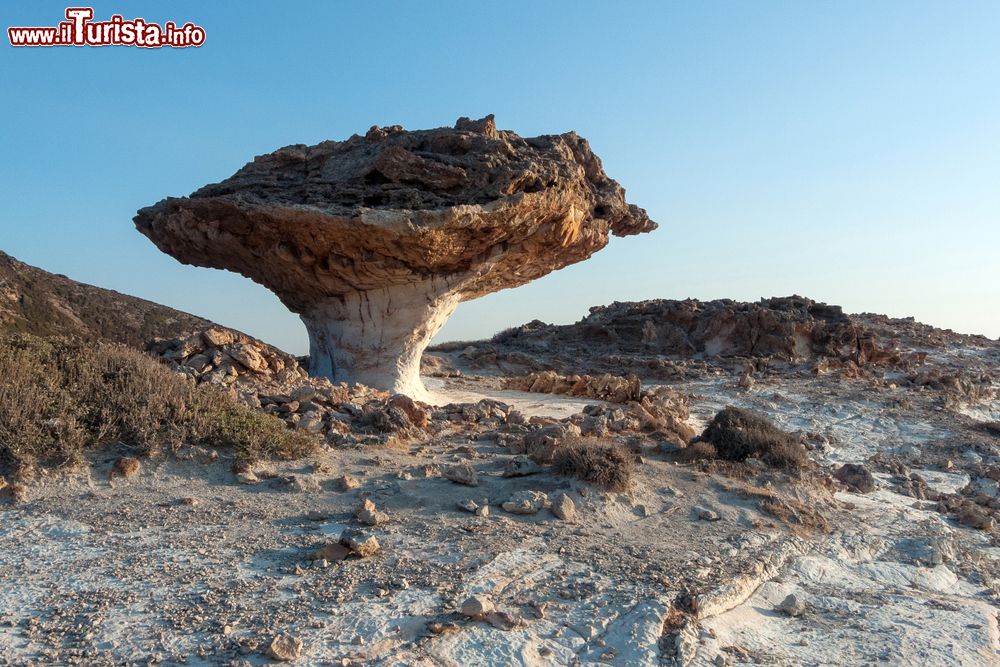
(42, 303)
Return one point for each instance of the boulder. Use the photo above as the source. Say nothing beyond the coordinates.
(857, 477)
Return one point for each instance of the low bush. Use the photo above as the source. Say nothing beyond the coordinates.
(59, 397)
(604, 463)
(739, 434)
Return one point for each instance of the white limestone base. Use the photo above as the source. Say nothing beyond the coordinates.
(377, 337)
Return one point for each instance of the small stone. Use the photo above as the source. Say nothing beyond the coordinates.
(975, 517)
(247, 478)
(438, 628)
(521, 466)
(564, 508)
(361, 544)
(368, 515)
(706, 514)
(285, 648)
(477, 606)
(501, 620)
(792, 606)
(331, 552)
(483, 511)
(217, 337)
(856, 477)
(126, 466)
(346, 483)
(526, 502)
(417, 415)
(303, 484)
(469, 506)
(462, 473)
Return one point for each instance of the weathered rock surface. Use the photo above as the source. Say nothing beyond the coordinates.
(607, 387)
(668, 339)
(375, 240)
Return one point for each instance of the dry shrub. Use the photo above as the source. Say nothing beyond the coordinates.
(604, 463)
(795, 513)
(699, 451)
(59, 397)
(790, 511)
(739, 434)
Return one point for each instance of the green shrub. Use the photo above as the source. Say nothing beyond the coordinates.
(59, 397)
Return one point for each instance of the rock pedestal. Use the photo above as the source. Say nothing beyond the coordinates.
(377, 337)
(375, 240)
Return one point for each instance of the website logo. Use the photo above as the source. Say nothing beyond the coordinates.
(79, 29)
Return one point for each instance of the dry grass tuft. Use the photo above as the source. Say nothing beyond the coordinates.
(795, 513)
(699, 451)
(604, 463)
(739, 434)
(59, 397)
(801, 516)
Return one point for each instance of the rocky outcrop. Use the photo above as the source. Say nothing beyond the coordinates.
(268, 379)
(374, 241)
(789, 328)
(607, 387)
(673, 340)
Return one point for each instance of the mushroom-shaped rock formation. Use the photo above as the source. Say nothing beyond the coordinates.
(375, 240)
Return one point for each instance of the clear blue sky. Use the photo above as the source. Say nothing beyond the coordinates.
(846, 151)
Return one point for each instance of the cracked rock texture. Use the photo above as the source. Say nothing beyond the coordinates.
(374, 241)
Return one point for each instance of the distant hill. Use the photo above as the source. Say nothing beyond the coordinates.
(41, 303)
(644, 337)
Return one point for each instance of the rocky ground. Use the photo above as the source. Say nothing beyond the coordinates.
(442, 535)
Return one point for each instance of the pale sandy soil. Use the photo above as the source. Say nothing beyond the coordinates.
(125, 572)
